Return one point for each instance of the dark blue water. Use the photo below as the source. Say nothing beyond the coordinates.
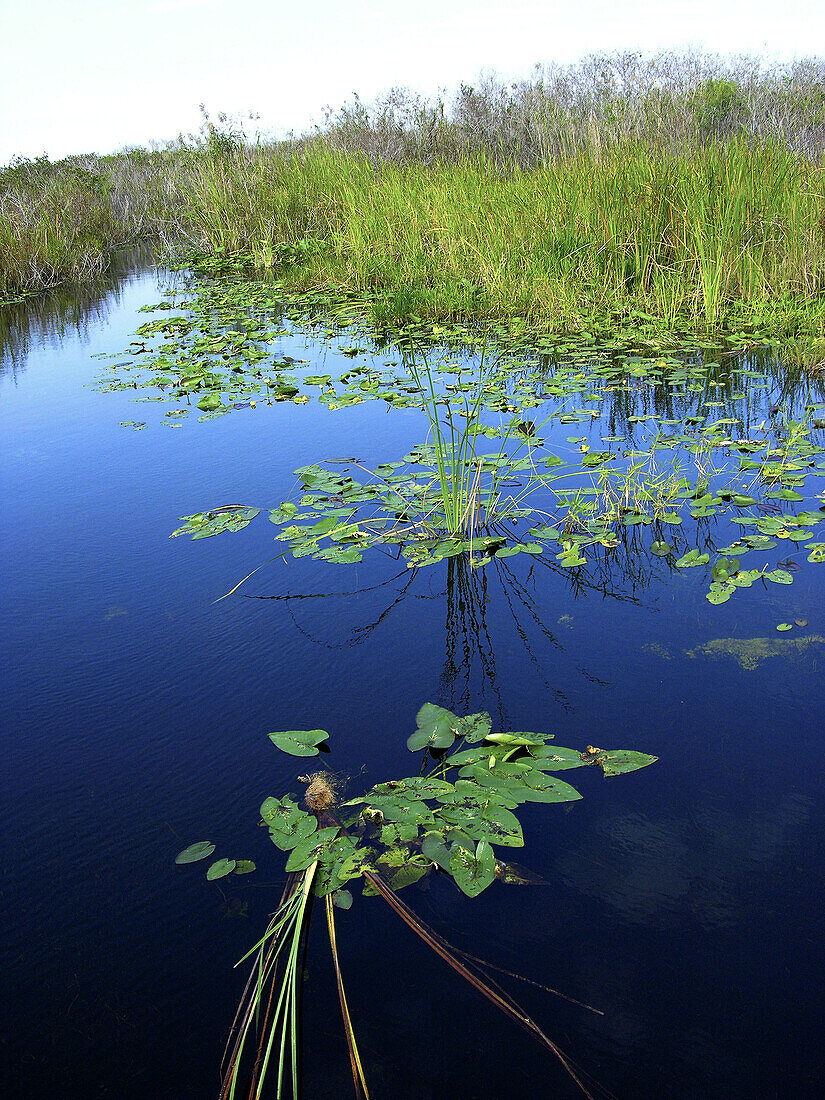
(683, 901)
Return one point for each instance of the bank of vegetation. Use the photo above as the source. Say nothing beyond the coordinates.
(682, 187)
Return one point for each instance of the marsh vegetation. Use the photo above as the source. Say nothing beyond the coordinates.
(681, 187)
(589, 305)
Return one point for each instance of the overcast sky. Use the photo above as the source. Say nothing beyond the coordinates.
(95, 75)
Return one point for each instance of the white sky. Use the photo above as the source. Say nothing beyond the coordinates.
(95, 75)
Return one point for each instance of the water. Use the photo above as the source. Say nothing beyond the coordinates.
(683, 901)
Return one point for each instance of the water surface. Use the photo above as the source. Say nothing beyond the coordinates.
(684, 901)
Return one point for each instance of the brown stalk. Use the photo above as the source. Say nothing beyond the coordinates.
(497, 996)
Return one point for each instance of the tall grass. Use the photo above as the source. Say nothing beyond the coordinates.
(728, 232)
(678, 186)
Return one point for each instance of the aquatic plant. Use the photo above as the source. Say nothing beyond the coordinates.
(447, 820)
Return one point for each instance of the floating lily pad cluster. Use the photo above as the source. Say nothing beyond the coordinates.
(671, 431)
(202, 849)
(451, 819)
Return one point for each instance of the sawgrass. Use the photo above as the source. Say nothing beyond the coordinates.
(680, 188)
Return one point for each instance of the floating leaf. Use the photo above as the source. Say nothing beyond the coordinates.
(298, 742)
(473, 871)
(519, 738)
(720, 592)
(779, 576)
(342, 898)
(474, 727)
(194, 852)
(288, 824)
(418, 786)
(553, 758)
(618, 761)
(220, 869)
(693, 557)
(437, 728)
(310, 849)
(785, 626)
(434, 848)
(660, 549)
(538, 787)
(244, 866)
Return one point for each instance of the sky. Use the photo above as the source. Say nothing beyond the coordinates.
(81, 76)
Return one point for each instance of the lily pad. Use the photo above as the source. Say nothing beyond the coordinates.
(473, 871)
(194, 852)
(221, 869)
(288, 823)
(298, 742)
(437, 728)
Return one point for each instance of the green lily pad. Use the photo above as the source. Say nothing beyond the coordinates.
(473, 871)
(288, 823)
(298, 742)
(785, 626)
(437, 728)
(311, 848)
(220, 869)
(779, 576)
(693, 557)
(194, 852)
(619, 761)
(720, 592)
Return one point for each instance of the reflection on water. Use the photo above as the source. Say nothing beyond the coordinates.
(701, 865)
(50, 317)
(135, 707)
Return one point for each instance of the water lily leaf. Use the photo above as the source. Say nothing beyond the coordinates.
(210, 402)
(473, 871)
(518, 738)
(418, 786)
(298, 742)
(342, 898)
(194, 852)
(204, 525)
(411, 871)
(488, 821)
(481, 796)
(474, 727)
(401, 809)
(539, 787)
(618, 761)
(745, 578)
(244, 866)
(220, 869)
(434, 848)
(785, 626)
(720, 592)
(288, 823)
(437, 728)
(779, 576)
(660, 549)
(339, 555)
(501, 774)
(398, 832)
(311, 848)
(554, 758)
(471, 756)
(339, 861)
(693, 557)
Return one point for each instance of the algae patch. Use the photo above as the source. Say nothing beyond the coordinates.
(751, 652)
